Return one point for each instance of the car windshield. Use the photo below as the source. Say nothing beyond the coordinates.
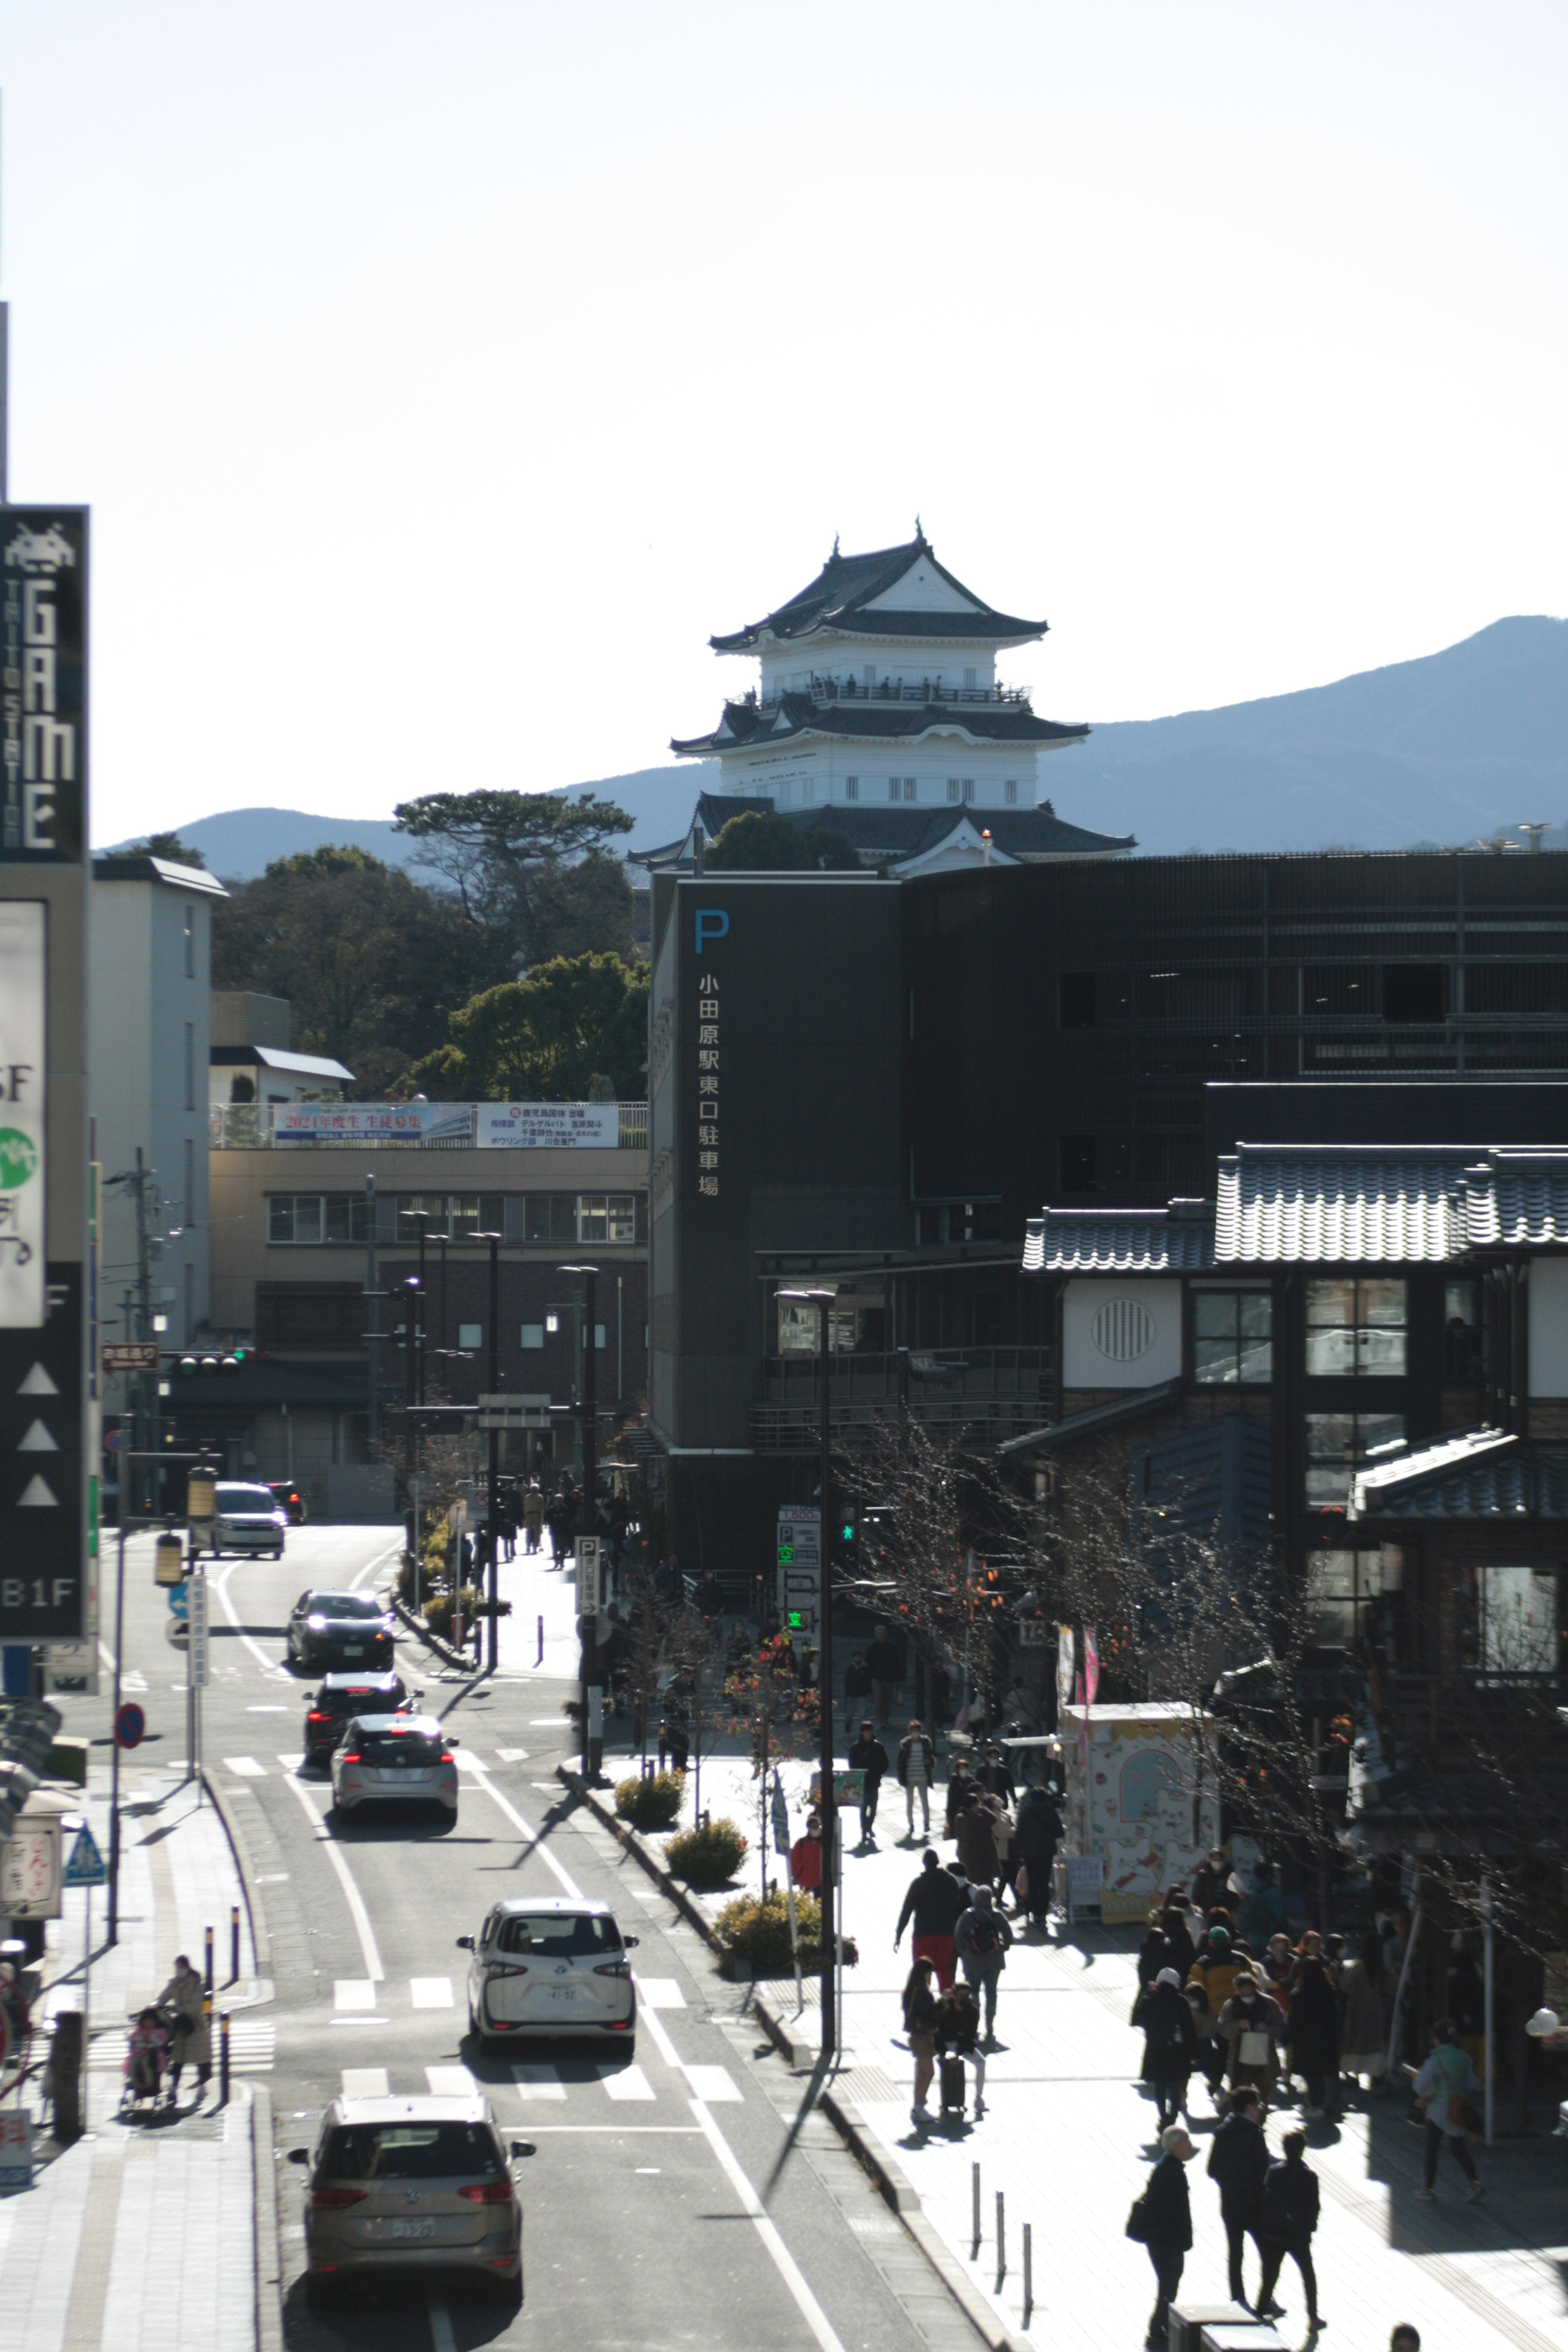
(558, 1935)
(246, 1499)
(403, 1750)
(344, 1604)
(410, 2151)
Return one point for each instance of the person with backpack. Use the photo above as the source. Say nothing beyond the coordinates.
(1289, 2218)
(955, 2029)
(1162, 2220)
(934, 1903)
(981, 1941)
(1239, 2165)
(1170, 2044)
(1446, 2086)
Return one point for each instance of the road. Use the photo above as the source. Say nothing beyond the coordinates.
(643, 2197)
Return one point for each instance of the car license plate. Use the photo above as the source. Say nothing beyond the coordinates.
(402, 1779)
(566, 1992)
(414, 2228)
(354, 1649)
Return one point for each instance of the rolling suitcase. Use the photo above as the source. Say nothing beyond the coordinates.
(952, 2077)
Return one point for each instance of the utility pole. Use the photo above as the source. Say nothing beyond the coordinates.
(492, 1539)
(588, 1422)
(372, 1335)
(827, 1806)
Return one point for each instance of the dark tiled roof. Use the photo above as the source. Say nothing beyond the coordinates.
(1482, 1474)
(846, 584)
(1293, 1205)
(1517, 1199)
(889, 836)
(1118, 1241)
(747, 724)
(158, 870)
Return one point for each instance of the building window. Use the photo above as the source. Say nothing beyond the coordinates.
(809, 790)
(450, 1216)
(1335, 988)
(910, 792)
(1232, 1336)
(1075, 999)
(1077, 1162)
(1463, 1356)
(1355, 1328)
(1010, 791)
(1509, 1628)
(190, 943)
(606, 1217)
(530, 1334)
(851, 788)
(954, 789)
(1344, 1586)
(321, 1217)
(1340, 1443)
(895, 787)
(551, 1217)
(470, 1335)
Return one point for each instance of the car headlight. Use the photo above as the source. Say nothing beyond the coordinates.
(280, 1518)
(317, 1625)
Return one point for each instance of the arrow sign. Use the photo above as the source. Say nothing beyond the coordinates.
(85, 1867)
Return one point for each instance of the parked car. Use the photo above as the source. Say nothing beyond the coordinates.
(401, 2184)
(547, 1966)
(288, 1498)
(394, 1758)
(342, 1696)
(338, 1631)
(248, 1520)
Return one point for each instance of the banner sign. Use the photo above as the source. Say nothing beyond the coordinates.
(129, 1355)
(24, 986)
(43, 743)
(412, 1122)
(558, 1127)
(30, 1871)
(196, 1594)
(43, 1533)
(1065, 1662)
(16, 2150)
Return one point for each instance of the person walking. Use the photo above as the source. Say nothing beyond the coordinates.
(1251, 2026)
(884, 1665)
(1039, 1833)
(1212, 1974)
(1170, 2044)
(190, 2039)
(1289, 2218)
(917, 1770)
(869, 1757)
(857, 1688)
(1167, 2219)
(1447, 2085)
(1314, 2024)
(1239, 2165)
(806, 1857)
(532, 1516)
(981, 1941)
(960, 1790)
(933, 1904)
(978, 1842)
(955, 2028)
(920, 2025)
(1211, 1882)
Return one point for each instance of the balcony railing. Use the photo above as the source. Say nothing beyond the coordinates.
(426, 1127)
(894, 689)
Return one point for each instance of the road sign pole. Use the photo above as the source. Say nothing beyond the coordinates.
(113, 1936)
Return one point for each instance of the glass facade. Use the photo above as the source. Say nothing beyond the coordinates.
(1340, 1443)
(1232, 1336)
(1356, 1328)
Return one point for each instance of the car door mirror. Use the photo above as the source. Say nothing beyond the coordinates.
(522, 2147)
(631, 1942)
(299, 2156)
(451, 1739)
(465, 1943)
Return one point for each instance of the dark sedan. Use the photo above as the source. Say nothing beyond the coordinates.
(339, 1630)
(342, 1696)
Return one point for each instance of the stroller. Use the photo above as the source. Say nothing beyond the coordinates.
(146, 2061)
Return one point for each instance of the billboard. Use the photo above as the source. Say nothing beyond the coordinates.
(43, 743)
(554, 1126)
(23, 1072)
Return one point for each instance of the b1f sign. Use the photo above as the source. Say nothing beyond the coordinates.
(23, 961)
(43, 743)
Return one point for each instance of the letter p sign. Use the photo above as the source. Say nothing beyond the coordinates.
(713, 923)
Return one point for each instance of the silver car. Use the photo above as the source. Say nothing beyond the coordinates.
(249, 1520)
(411, 2185)
(548, 1966)
(395, 1759)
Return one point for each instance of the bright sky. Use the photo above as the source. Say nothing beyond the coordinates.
(441, 376)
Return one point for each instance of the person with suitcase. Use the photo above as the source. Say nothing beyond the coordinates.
(956, 2030)
(981, 1941)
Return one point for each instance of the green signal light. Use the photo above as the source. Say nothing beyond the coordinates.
(848, 1531)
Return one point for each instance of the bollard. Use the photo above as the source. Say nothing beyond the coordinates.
(975, 2249)
(65, 2075)
(540, 1660)
(1001, 2241)
(223, 2060)
(208, 1971)
(234, 1943)
(1028, 2270)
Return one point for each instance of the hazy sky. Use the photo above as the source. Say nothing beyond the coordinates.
(441, 376)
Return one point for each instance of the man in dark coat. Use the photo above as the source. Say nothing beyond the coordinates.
(1289, 2218)
(933, 1904)
(1039, 1833)
(857, 1688)
(884, 1663)
(1170, 2044)
(869, 1756)
(1238, 2162)
(1167, 2229)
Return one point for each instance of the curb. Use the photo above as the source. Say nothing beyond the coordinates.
(267, 2240)
(641, 1852)
(260, 1941)
(417, 1627)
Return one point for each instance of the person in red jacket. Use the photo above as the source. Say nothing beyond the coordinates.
(806, 1857)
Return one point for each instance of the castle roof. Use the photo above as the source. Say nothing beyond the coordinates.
(895, 839)
(850, 597)
(745, 725)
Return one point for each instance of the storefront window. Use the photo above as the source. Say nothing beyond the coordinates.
(1511, 1619)
(1340, 1443)
(1343, 1589)
(1232, 1336)
(1355, 1328)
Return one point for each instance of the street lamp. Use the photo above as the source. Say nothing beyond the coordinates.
(823, 1301)
(588, 1414)
(493, 1543)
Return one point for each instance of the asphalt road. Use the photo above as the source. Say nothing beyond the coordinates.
(644, 2219)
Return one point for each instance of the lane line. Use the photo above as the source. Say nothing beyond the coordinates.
(430, 1993)
(353, 1992)
(220, 1585)
(451, 2083)
(483, 1781)
(538, 2083)
(371, 1565)
(810, 2310)
(352, 1896)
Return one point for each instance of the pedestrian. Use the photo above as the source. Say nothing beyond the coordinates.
(1404, 2339)
(1039, 1833)
(933, 1904)
(920, 2025)
(938, 1693)
(1467, 2004)
(1166, 2218)
(1364, 2031)
(806, 1856)
(1447, 2087)
(978, 1842)
(960, 1790)
(1210, 1881)
(190, 2035)
(1004, 1831)
(1153, 1953)
(869, 1758)
(917, 1770)
(532, 1516)
(981, 1941)
(1239, 2165)
(1274, 1971)
(993, 1772)
(1170, 2044)
(857, 1688)
(558, 1519)
(1213, 1971)
(1289, 2218)
(1262, 1910)
(1252, 2028)
(955, 2028)
(1314, 2024)
(884, 1665)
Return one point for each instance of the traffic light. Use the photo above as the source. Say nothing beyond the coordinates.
(847, 1539)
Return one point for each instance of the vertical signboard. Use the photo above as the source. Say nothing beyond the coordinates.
(43, 1073)
(800, 1571)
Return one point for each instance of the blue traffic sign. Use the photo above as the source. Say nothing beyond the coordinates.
(180, 1599)
(85, 1867)
(131, 1724)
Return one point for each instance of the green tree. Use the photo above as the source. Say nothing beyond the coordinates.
(168, 846)
(759, 840)
(512, 858)
(545, 1038)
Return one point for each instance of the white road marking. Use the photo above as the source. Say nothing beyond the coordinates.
(371, 1565)
(270, 1665)
(538, 2083)
(365, 2083)
(430, 1993)
(268, 1709)
(369, 1951)
(660, 1992)
(353, 1992)
(714, 2084)
(513, 1754)
(291, 1763)
(811, 2311)
(467, 1761)
(625, 2083)
(549, 1722)
(441, 2336)
(246, 1767)
(515, 1818)
(450, 2082)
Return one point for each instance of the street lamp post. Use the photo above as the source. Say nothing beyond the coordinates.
(493, 1543)
(823, 1301)
(588, 1416)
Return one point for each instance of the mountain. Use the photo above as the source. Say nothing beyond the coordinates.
(1470, 741)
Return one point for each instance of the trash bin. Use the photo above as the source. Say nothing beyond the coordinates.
(1188, 2321)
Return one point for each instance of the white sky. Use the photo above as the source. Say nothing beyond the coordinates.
(441, 376)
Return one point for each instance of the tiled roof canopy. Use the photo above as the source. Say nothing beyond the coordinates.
(1484, 1473)
(793, 715)
(1288, 1205)
(846, 584)
(1177, 1240)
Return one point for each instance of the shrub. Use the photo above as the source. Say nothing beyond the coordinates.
(438, 1612)
(652, 1804)
(707, 1856)
(758, 1933)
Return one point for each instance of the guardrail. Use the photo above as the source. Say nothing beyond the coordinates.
(428, 1127)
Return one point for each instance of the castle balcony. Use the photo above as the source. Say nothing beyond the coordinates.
(827, 691)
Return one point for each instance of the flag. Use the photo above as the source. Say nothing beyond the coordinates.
(1064, 1665)
(1090, 1666)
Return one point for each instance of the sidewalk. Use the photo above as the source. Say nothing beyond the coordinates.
(144, 2235)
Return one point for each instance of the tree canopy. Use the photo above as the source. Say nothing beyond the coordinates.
(546, 1038)
(167, 845)
(761, 840)
(531, 866)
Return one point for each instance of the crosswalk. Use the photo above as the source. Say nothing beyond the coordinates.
(250, 1767)
(541, 2083)
(354, 1996)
